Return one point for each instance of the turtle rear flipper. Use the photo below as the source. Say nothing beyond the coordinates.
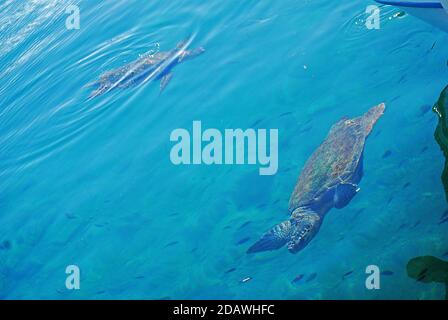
(296, 233)
(273, 239)
(270, 241)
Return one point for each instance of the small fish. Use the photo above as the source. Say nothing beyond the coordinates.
(422, 274)
(171, 244)
(298, 278)
(433, 45)
(305, 129)
(445, 254)
(442, 221)
(246, 280)
(244, 240)
(390, 199)
(424, 110)
(165, 298)
(5, 245)
(311, 277)
(422, 277)
(174, 214)
(423, 149)
(347, 274)
(404, 225)
(256, 122)
(407, 184)
(245, 224)
(70, 216)
(416, 224)
(444, 215)
(285, 114)
(387, 273)
(377, 133)
(230, 270)
(387, 154)
(139, 277)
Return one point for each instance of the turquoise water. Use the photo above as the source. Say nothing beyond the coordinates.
(90, 182)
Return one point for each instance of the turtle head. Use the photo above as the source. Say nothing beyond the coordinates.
(369, 119)
(189, 54)
(296, 233)
(103, 88)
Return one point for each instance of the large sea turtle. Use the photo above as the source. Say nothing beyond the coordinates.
(149, 67)
(329, 179)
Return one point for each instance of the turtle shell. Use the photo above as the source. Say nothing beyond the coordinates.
(336, 159)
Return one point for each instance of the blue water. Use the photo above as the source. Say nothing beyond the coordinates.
(90, 182)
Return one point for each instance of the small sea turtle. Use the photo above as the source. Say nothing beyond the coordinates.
(329, 179)
(149, 67)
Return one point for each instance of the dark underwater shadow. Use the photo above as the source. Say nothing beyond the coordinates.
(441, 133)
(429, 269)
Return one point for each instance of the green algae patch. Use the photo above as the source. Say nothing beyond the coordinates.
(441, 133)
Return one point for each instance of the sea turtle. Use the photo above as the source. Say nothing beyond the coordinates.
(329, 179)
(149, 67)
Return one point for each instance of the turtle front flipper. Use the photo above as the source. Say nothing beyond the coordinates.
(296, 233)
(344, 193)
(165, 80)
(195, 52)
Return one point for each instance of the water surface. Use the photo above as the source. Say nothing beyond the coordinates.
(91, 183)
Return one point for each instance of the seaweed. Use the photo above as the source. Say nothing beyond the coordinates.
(441, 133)
(429, 269)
